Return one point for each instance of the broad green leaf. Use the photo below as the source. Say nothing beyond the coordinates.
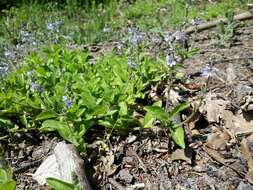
(148, 120)
(105, 123)
(177, 134)
(88, 100)
(57, 184)
(52, 125)
(123, 108)
(9, 185)
(178, 109)
(5, 121)
(158, 103)
(46, 115)
(6, 181)
(64, 130)
(157, 112)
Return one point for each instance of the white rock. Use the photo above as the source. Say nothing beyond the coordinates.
(64, 161)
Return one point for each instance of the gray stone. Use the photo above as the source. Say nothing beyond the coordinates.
(244, 186)
(124, 175)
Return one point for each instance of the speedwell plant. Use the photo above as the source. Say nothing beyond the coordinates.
(61, 90)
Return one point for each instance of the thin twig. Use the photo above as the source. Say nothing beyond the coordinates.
(240, 17)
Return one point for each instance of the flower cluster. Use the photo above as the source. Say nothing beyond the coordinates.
(172, 59)
(168, 37)
(131, 63)
(68, 101)
(3, 70)
(55, 26)
(106, 29)
(135, 36)
(206, 71)
(174, 41)
(34, 87)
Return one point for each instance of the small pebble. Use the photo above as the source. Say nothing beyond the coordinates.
(124, 175)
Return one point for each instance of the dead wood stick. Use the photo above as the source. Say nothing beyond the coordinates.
(240, 17)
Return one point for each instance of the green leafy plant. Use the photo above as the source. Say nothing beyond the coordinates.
(6, 177)
(156, 112)
(61, 91)
(57, 184)
(6, 181)
(226, 34)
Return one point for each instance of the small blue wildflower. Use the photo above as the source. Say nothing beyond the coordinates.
(119, 47)
(40, 88)
(37, 87)
(131, 63)
(68, 101)
(132, 30)
(7, 53)
(168, 37)
(206, 71)
(170, 60)
(179, 36)
(135, 39)
(3, 70)
(106, 29)
(32, 86)
(55, 26)
(135, 36)
(50, 26)
(156, 40)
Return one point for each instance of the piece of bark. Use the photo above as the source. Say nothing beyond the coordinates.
(240, 17)
(61, 165)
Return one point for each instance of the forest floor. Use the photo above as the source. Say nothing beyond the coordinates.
(218, 127)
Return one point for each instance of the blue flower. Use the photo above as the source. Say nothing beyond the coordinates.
(135, 36)
(170, 60)
(180, 36)
(106, 29)
(3, 70)
(37, 87)
(131, 63)
(168, 37)
(32, 86)
(40, 88)
(50, 26)
(68, 101)
(206, 71)
(55, 26)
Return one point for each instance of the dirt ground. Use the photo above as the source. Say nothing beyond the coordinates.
(219, 132)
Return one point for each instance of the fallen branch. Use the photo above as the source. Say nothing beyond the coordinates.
(198, 28)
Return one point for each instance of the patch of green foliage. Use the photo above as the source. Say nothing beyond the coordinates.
(61, 91)
(85, 25)
(165, 14)
(6, 178)
(57, 184)
(226, 32)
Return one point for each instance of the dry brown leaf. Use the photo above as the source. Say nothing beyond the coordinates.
(180, 154)
(214, 108)
(249, 176)
(250, 138)
(243, 124)
(195, 132)
(217, 156)
(247, 154)
(218, 140)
